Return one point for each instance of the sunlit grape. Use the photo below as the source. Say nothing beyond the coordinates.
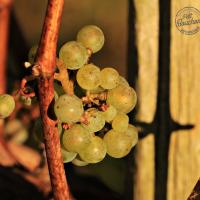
(120, 122)
(118, 144)
(88, 77)
(78, 162)
(123, 81)
(76, 138)
(123, 98)
(132, 132)
(74, 55)
(68, 108)
(67, 156)
(7, 105)
(95, 151)
(95, 120)
(110, 113)
(91, 37)
(109, 78)
(32, 53)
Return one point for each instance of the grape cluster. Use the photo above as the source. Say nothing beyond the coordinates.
(96, 114)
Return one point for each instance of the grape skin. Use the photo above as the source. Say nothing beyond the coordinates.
(78, 162)
(88, 77)
(109, 78)
(123, 98)
(91, 37)
(110, 113)
(95, 120)
(118, 144)
(132, 132)
(68, 109)
(76, 138)
(95, 151)
(67, 156)
(120, 122)
(32, 53)
(73, 54)
(7, 105)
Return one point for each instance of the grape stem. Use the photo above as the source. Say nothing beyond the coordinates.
(63, 77)
(94, 98)
(46, 59)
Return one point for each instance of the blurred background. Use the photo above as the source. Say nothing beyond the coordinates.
(144, 45)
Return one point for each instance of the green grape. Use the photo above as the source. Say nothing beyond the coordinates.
(118, 144)
(16, 131)
(97, 90)
(32, 53)
(109, 78)
(110, 113)
(123, 81)
(74, 55)
(91, 37)
(27, 101)
(132, 132)
(7, 105)
(78, 162)
(123, 98)
(67, 156)
(59, 89)
(120, 122)
(95, 151)
(68, 109)
(88, 77)
(95, 120)
(76, 138)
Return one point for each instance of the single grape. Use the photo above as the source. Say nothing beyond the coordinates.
(97, 90)
(67, 156)
(120, 122)
(32, 53)
(95, 120)
(95, 151)
(68, 109)
(118, 144)
(109, 78)
(78, 162)
(74, 55)
(7, 105)
(88, 77)
(123, 81)
(123, 98)
(76, 138)
(16, 131)
(91, 37)
(110, 113)
(132, 132)
(27, 101)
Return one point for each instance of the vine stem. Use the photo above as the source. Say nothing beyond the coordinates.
(46, 60)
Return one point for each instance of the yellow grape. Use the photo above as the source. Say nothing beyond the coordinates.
(120, 122)
(110, 113)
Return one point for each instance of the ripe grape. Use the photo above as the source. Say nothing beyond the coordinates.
(132, 132)
(95, 120)
(76, 138)
(123, 81)
(88, 77)
(68, 109)
(109, 78)
(7, 105)
(73, 54)
(120, 122)
(32, 53)
(91, 37)
(95, 151)
(16, 131)
(123, 98)
(67, 156)
(118, 144)
(110, 113)
(78, 162)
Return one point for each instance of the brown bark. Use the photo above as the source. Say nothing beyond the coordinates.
(46, 58)
(4, 23)
(195, 195)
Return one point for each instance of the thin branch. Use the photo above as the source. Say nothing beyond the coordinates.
(46, 59)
